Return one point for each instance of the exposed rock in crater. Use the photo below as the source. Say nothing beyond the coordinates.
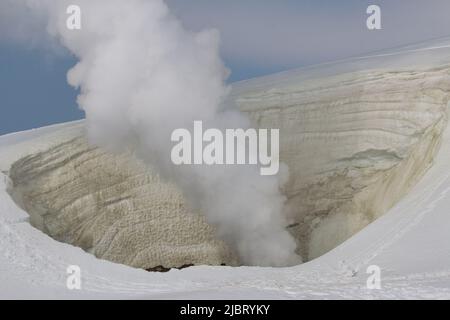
(355, 143)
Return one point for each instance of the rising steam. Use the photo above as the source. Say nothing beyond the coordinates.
(141, 75)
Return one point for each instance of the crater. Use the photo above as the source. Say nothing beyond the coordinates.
(354, 144)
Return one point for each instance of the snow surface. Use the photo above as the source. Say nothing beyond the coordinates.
(410, 243)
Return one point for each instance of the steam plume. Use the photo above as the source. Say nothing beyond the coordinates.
(142, 75)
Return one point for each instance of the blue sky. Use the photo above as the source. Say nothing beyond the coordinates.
(258, 37)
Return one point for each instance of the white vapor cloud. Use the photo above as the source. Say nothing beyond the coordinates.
(141, 75)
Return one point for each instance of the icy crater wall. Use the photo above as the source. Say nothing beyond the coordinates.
(355, 143)
(114, 207)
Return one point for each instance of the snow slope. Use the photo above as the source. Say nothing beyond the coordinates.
(410, 243)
